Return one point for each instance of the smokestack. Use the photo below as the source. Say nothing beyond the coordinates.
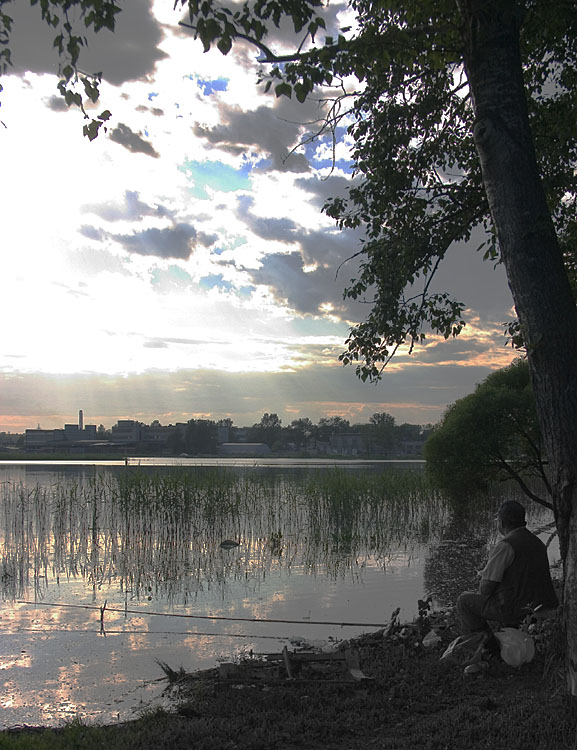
(80, 420)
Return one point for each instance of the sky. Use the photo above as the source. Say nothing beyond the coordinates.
(179, 266)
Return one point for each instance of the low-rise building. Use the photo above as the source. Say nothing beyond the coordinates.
(347, 444)
(126, 431)
(247, 450)
(58, 439)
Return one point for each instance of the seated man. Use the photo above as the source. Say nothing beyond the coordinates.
(516, 575)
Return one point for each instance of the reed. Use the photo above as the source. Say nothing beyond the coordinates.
(158, 533)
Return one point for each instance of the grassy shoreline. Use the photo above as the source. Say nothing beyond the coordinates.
(415, 700)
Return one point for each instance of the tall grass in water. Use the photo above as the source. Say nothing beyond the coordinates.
(25, 521)
(352, 515)
(160, 533)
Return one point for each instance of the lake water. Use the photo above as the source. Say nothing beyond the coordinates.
(107, 569)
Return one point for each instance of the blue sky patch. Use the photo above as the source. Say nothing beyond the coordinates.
(215, 281)
(310, 326)
(310, 150)
(209, 87)
(230, 245)
(169, 279)
(217, 176)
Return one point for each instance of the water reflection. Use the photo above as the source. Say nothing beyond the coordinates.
(160, 536)
(453, 563)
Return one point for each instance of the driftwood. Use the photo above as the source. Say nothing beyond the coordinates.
(293, 666)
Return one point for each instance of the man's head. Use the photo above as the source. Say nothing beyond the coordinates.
(511, 515)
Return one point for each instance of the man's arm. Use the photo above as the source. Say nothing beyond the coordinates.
(502, 555)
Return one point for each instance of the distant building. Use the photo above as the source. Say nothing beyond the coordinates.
(222, 434)
(72, 436)
(411, 447)
(347, 444)
(9, 439)
(246, 450)
(157, 435)
(126, 431)
(42, 438)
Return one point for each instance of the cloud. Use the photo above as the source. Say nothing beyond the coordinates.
(456, 349)
(93, 262)
(323, 188)
(92, 233)
(56, 104)
(31, 42)
(207, 239)
(270, 228)
(263, 129)
(132, 141)
(155, 344)
(156, 111)
(131, 209)
(480, 284)
(169, 242)
(162, 342)
(305, 292)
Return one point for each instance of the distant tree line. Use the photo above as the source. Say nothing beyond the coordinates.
(380, 436)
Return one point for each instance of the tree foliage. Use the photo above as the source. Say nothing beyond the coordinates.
(419, 186)
(67, 18)
(382, 432)
(268, 430)
(491, 435)
(200, 436)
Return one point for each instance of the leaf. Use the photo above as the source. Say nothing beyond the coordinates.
(283, 89)
(91, 130)
(224, 45)
(91, 89)
(300, 92)
(71, 97)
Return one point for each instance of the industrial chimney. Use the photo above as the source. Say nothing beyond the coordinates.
(80, 420)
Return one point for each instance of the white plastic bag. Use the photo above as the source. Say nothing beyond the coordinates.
(517, 647)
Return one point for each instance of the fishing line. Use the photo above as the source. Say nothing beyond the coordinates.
(125, 611)
(142, 632)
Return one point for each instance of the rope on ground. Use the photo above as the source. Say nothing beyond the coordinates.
(127, 611)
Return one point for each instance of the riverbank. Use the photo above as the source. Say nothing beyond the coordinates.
(26, 457)
(414, 700)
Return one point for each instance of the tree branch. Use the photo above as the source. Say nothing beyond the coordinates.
(270, 56)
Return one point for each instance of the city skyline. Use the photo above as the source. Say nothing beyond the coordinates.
(81, 424)
(180, 266)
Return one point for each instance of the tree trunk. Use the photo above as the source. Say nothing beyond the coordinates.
(533, 260)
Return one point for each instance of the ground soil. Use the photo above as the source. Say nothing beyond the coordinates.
(414, 699)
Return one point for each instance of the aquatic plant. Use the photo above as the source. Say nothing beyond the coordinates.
(159, 533)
